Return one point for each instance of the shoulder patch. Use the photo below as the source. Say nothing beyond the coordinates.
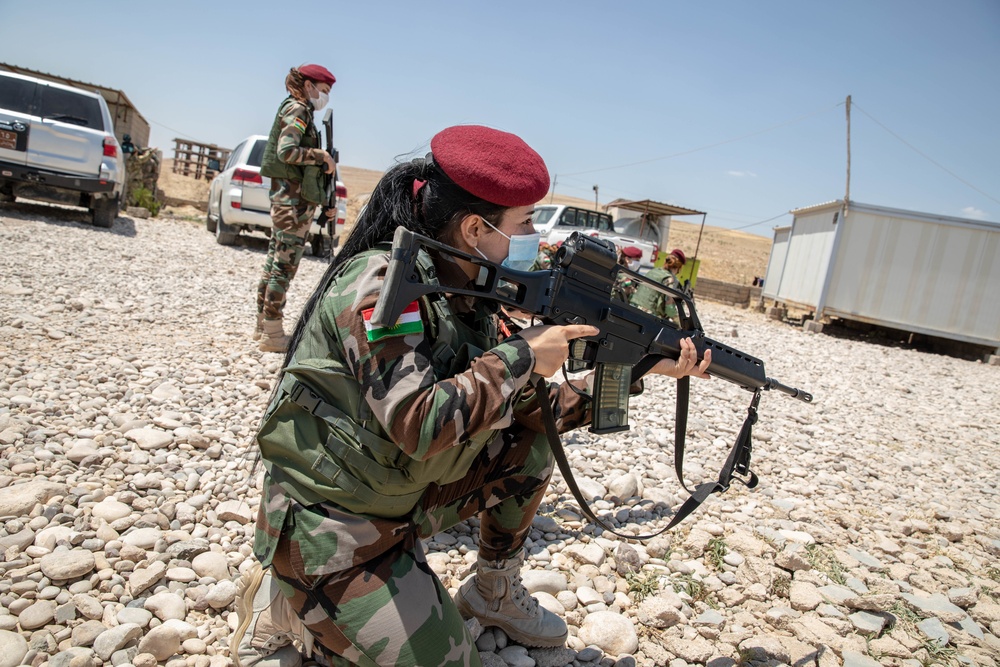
(408, 323)
(299, 125)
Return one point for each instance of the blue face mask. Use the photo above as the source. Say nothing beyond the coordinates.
(522, 251)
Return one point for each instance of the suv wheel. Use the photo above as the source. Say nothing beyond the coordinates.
(225, 234)
(104, 211)
(210, 223)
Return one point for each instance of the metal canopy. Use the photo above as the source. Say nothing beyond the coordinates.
(654, 207)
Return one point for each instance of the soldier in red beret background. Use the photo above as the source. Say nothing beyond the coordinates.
(380, 436)
(294, 162)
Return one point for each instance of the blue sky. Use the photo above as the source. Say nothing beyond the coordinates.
(734, 108)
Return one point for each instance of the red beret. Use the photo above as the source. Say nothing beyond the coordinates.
(631, 251)
(495, 166)
(679, 254)
(317, 73)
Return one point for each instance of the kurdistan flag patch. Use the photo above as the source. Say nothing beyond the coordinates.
(408, 323)
(299, 125)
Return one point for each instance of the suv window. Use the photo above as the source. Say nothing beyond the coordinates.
(234, 156)
(16, 94)
(257, 153)
(70, 107)
(568, 218)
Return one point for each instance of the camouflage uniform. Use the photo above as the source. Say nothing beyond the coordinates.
(463, 424)
(291, 215)
(657, 303)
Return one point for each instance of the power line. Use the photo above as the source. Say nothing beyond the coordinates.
(701, 148)
(925, 156)
(186, 136)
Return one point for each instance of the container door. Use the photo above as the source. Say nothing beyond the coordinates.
(69, 138)
(16, 100)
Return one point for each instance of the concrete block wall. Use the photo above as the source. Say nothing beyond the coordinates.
(734, 295)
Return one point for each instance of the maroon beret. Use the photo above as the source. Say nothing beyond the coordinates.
(632, 251)
(317, 73)
(679, 254)
(495, 166)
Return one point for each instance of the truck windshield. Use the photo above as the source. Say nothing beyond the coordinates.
(542, 216)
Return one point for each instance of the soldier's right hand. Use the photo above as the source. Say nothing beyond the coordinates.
(328, 164)
(550, 344)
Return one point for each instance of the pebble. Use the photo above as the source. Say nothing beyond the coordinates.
(127, 397)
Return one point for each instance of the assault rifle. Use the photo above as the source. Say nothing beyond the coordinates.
(330, 181)
(580, 288)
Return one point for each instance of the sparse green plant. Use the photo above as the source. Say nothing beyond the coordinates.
(905, 617)
(717, 550)
(642, 584)
(993, 573)
(932, 653)
(146, 199)
(743, 657)
(686, 583)
(780, 586)
(823, 560)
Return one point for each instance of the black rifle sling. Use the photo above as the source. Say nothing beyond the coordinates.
(541, 390)
(737, 462)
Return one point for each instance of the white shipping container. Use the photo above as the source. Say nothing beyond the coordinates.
(924, 273)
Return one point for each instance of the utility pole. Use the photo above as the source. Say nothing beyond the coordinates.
(555, 179)
(847, 191)
(597, 206)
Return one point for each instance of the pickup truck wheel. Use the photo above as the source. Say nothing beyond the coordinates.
(225, 234)
(104, 211)
(318, 245)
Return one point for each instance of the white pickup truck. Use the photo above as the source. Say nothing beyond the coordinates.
(556, 222)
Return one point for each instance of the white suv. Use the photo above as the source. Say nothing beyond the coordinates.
(57, 144)
(238, 199)
(557, 222)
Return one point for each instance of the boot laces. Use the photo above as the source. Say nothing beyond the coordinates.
(519, 594)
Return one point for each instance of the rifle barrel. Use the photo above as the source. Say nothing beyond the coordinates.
(800, 394)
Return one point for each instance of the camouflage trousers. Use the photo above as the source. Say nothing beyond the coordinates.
(393, 609)
(290, 226)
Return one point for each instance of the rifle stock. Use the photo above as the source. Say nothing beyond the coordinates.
(579, 290)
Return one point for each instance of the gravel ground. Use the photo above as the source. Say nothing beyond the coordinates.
(129, 387)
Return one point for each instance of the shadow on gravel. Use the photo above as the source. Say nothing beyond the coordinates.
(887, 337)
(256, 243)
(64, 216)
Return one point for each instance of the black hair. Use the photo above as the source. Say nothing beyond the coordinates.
(436, 211)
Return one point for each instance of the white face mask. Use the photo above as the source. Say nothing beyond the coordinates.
(633, 265)
(320, 101)
(521, 253)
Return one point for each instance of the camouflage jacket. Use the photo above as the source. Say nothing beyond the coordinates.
(430, 406)
(292, 146)
(654, 302)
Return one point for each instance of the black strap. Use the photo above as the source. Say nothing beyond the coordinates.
(541, 391)
(737, 463)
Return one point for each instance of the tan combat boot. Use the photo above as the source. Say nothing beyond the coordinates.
(267, 624)
(259, 329)
(495, 596)
(274, 338)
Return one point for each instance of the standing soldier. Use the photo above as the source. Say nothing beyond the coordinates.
(294, 162)
(658, 303)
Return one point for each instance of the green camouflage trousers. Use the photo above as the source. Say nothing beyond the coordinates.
(290, 226)
(392, 609)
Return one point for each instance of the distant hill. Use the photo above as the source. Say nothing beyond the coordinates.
(727, 255)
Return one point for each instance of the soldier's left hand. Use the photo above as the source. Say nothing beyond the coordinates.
(686, 364)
